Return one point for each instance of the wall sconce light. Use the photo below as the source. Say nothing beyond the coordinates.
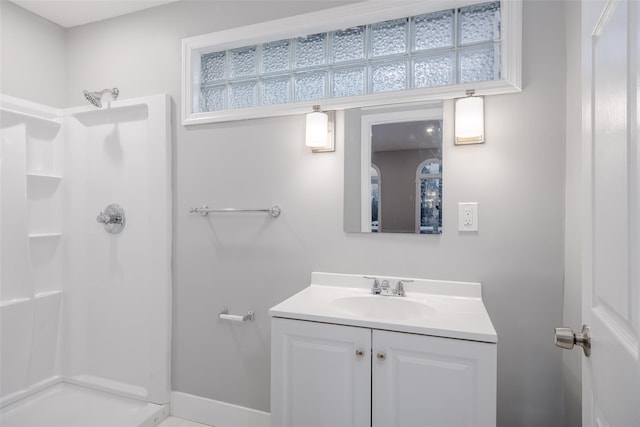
(469, 120)
(320, 130)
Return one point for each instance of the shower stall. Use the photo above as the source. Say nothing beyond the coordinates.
(85, 311)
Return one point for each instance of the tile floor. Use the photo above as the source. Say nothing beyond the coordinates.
(179, 422)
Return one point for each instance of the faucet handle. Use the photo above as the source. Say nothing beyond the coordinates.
(400, 287)
(109, 218)
(102, 218)
(375, 289)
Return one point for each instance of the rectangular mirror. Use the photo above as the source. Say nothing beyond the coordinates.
(393, 168)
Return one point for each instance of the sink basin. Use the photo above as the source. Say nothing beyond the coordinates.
(431, 307)
(382, 307)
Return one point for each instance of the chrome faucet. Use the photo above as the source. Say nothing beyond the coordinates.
(385, 289)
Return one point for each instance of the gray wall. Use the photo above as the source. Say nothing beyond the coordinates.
(572, 316)
(253, 262)
(352, 160)
(33, 56)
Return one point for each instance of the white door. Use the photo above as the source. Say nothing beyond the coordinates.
(320, 375)
(611, 255)
(432, 382)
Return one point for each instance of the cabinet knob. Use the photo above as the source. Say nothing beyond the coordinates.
(359, 352)
(381, 356)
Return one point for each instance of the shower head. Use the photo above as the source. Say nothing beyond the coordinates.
(95, 97)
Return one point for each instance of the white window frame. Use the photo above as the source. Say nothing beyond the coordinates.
(374, 166)
(362, 13)
(419, 177)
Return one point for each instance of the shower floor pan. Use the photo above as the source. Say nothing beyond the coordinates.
(68, 405)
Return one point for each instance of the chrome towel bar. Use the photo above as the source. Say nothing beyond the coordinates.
(224, 315)
(204, 210)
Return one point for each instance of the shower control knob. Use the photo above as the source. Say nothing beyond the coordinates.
(112, 218)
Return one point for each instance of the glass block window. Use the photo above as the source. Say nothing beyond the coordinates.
(348, 45)
(433, 31)
(389, 38)
(275, 57)
(446, 47)
(242, 62)
(348, 81)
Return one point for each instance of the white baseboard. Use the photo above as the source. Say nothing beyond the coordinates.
(216, 413)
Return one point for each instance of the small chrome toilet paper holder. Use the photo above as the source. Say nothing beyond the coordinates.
(224, 315)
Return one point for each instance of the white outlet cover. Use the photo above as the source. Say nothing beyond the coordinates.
(468, 216)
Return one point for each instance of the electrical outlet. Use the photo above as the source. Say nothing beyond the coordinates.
(468, 216)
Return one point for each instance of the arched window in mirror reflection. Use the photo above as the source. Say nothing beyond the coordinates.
(376, 198)
(429, 197)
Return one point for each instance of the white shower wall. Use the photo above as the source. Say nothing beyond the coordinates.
(117, 293)
(80, 305)
(30, 255)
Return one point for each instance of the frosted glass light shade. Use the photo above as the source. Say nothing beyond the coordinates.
(469, 120)
(317, 129)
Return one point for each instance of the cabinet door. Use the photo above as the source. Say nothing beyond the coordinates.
(430, 381)
(320, 375)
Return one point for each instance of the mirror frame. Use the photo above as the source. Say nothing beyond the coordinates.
(361, 13)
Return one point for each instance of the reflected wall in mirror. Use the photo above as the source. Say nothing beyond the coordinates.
(393, 169)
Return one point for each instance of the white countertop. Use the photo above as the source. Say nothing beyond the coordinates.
(451, 309)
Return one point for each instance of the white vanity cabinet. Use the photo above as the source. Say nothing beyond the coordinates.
(420, 380)
(329, 375)
(319, 378)
(342, 355)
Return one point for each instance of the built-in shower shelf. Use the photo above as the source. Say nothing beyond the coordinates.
(52, 119)
(45, 235)
(44, 176)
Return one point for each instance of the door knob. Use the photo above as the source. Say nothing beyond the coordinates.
(381, 356)
(359, 352)
(566, 338)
